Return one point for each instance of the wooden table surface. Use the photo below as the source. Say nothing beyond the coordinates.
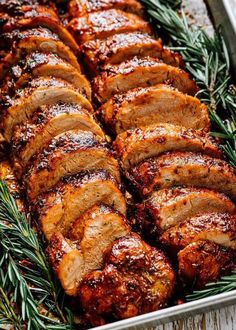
(224, 318)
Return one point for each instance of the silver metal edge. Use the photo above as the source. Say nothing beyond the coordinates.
(173, 313)
(224, 14)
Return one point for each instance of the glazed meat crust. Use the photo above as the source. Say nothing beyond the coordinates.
(153, 105)
(139, 72)
(100, 222)
(43, 65)
(55, 210)
(133, 146)
(184, 168)
(202, 262)
(67, 154)
(216, 227)
(46, 123)
(35, 16)
(136, 279)
(102, 24)
(168, 207)
(122, 47)
(36, 39)
(40, 91)
(79, 8)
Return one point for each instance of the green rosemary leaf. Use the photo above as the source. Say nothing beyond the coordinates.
(26, 281)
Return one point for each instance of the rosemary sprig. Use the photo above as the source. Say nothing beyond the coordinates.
(225, 284)
(26, 284)
(208, 62)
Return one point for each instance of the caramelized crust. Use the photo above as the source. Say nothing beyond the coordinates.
(122, 47)
(40, 91)
(59, 208)
(37, 39)
(13, 7)
(203, 262)
(7, 175)
(102, 24)
(99, 223)
(48, 122)
(66, 260)
(168, 207)
(154, 105)
(45, 65)
(140, 72)
(78, 8)
(36, 16)
(136, 279)
(69, 153)
(133, 146)
(219, 228)
(187, 169)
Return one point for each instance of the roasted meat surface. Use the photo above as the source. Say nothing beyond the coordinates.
(57, 209)
(153, 105)
(77, 8)
(202, 262)
(133, 146)
(121, 47)
(102, 24)
(136, 279)
(219, 228)
(70, 170)
(31, 16)
(67, 154)
(85, 254)
(40, 91)
(37, 39)
(140, 72)
(186, 169)
(167, 207)
(46, 123)
(43, 65)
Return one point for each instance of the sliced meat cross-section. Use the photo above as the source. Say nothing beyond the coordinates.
(140, 72)
(69, 153)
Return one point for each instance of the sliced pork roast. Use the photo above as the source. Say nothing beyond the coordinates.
(140, 72)
(102, 24)
(99, 223)
(136, 279)
(219, 228)
(202, 262)
(133, 146)
(153, 105)
(46, 123)
(37, 39)
(167, 207)
(74, 195)
(40, 91)
(31, 16)
(187, 169)
(43, 65)
(69, 153)
(121, 47)
(77, 8)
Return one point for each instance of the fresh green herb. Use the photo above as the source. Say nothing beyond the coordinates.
(29, 295)
(208, 62)
(225, 284)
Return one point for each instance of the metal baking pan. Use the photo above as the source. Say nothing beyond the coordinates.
(173, 313)
(223, 13)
